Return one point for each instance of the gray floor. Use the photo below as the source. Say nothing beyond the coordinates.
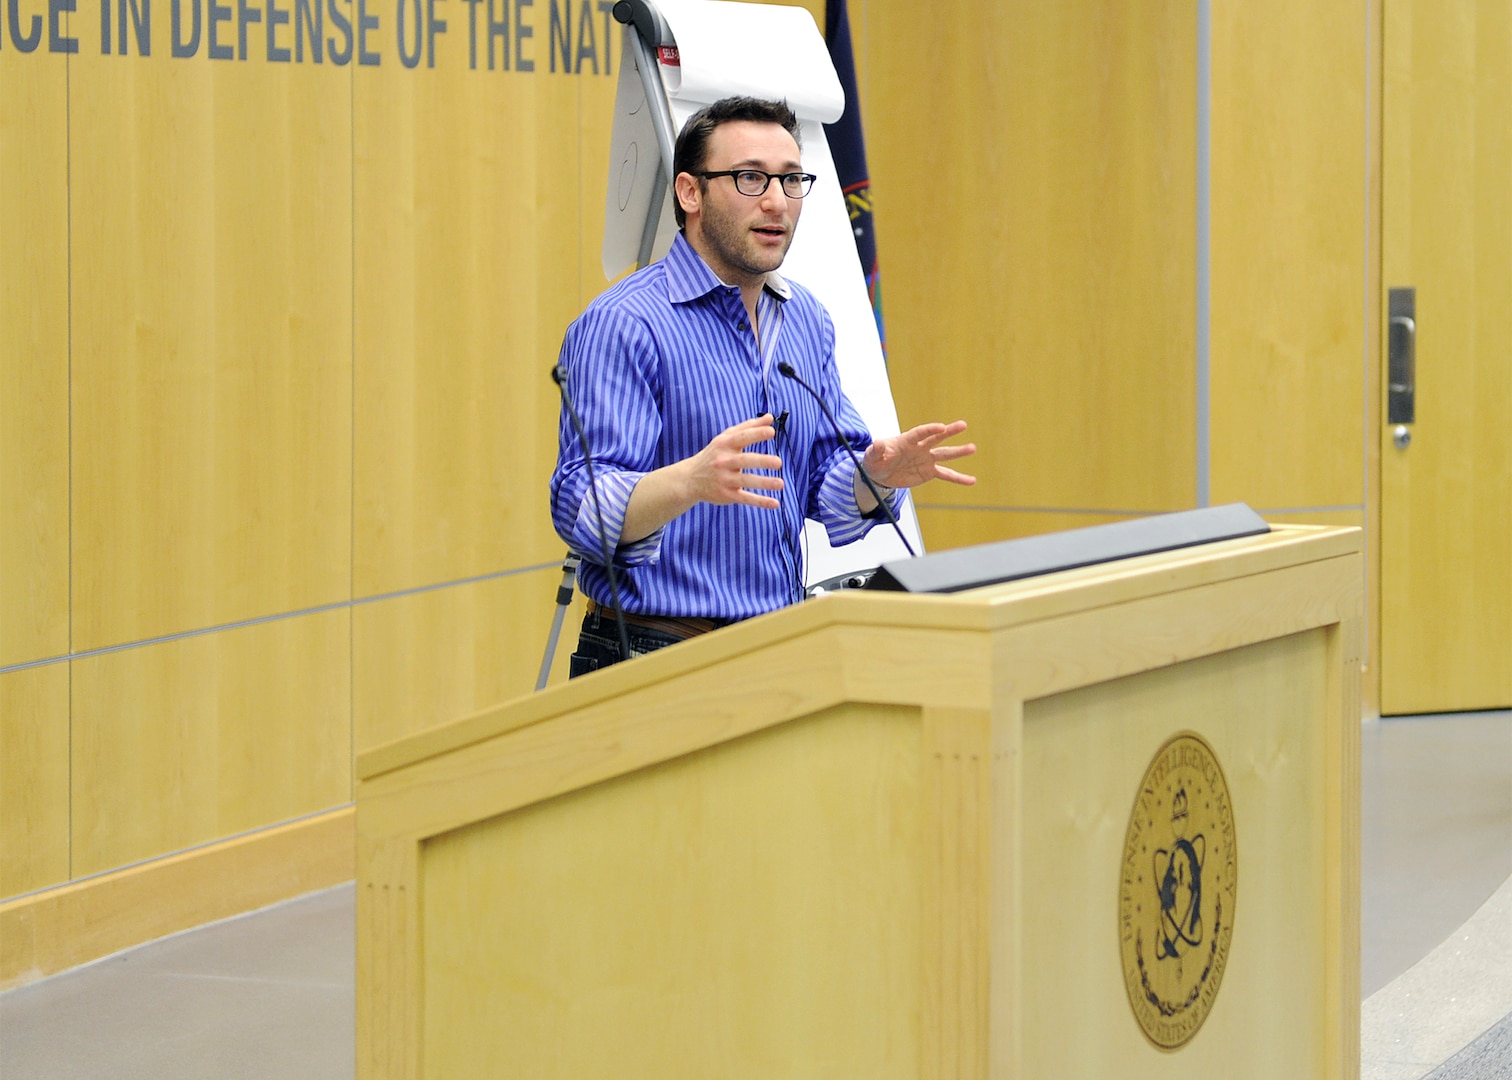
(270, 995)
(267, 995)
(1436, 832)
(1448, 1015)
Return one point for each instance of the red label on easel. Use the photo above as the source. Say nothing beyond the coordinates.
(667, 54)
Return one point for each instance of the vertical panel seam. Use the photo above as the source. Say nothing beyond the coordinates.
(1365, 346)
(1204, 246)
(352, 433)
(68, 264)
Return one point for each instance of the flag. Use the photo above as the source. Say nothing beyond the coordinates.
(849, 151)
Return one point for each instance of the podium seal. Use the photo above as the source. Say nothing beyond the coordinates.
(1176, 891)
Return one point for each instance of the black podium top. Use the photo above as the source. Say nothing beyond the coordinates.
(1030, 556)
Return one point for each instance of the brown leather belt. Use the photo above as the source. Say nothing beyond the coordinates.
(681, 628)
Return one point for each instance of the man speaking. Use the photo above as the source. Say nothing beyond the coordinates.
(704, 451)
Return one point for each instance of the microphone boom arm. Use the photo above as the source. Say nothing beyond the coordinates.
(790, 372)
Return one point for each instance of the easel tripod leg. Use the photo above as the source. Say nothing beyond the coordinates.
(563, 602)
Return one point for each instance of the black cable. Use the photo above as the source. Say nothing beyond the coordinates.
(790, 372)
(792, 559)
(559, 376)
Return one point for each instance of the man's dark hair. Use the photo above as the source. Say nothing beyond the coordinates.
(693, 142)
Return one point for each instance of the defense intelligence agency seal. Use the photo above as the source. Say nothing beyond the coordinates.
(1176, 891)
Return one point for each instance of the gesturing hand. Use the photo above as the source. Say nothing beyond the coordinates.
(916, 456)
(719, 473)
(716, 474)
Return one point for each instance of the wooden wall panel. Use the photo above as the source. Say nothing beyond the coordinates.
(467, 201)
(33, 356)
(430, 657)
(313, 308)
(187, 741)
(33, 778)
(1446, 500)
(951, 527)
(1288, 253)
(211, 256)
(1037, 165)
(1375, 392)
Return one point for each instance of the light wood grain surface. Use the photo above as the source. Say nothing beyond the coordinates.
(467, 197)
(312, 311)
(1035, 206)
(34, 430)
(1020, 605)
(1262, 709)
(1289, 202)
(34, 780)
(423, 659)
(1038, 267)
(947, 527)
(188, 741)
(727, 926)
(51, 931)
(211, 348)
(1446, 501)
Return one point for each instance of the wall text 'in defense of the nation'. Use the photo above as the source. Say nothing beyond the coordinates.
(485, 35)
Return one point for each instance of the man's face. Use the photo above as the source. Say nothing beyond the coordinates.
(741, 237)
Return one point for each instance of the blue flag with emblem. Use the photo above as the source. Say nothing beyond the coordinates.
(849, 151)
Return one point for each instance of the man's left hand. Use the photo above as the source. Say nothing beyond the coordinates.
(915, 457)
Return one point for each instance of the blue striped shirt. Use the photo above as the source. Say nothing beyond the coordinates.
(657, 366)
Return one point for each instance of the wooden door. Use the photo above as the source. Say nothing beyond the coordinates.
(1446, 495)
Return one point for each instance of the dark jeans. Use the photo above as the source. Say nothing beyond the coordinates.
(599, 644)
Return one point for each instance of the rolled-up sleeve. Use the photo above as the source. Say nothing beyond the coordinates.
(837, 510)
(611, 377)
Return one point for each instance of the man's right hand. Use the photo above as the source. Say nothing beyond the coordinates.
(719, 473)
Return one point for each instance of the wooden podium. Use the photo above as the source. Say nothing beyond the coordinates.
(882, 835)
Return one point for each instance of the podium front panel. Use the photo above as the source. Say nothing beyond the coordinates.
(747, 910)
(1261, 710)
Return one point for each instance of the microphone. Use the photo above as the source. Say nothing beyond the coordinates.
(788, 371)
(559, 376)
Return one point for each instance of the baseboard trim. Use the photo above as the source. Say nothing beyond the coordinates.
(47, 932)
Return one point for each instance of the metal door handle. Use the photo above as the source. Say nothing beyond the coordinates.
(1401, 359)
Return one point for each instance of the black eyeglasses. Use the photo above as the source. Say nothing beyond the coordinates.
(754, 182)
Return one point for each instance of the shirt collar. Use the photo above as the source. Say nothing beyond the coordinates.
(689, 277)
